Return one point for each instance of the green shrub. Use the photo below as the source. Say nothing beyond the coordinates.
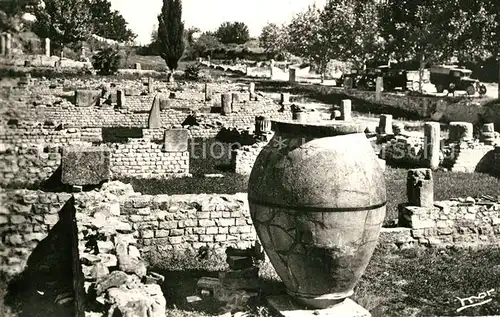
(106, 61)
(192, 71)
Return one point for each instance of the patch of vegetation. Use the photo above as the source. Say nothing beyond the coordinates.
(427, 282)
(106, 61)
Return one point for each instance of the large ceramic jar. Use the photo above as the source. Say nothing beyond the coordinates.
(317, 199)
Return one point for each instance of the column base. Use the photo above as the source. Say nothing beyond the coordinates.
(286, 306)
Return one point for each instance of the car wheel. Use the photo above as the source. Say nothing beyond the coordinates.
(482, 90)
(470, 90)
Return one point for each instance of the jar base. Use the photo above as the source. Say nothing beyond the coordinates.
(321, 301)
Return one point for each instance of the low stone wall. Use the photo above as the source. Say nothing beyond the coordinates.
(144, 159)
(460, 223)
(243, 159)
(177, 225)
(26, 217)
(28, 165)
(32, 165)
(38, 135)
(169, 225)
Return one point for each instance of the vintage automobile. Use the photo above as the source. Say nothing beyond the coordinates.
(454, 78)
(355, 74)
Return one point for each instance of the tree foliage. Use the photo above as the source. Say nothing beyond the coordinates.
(233, 32)
(63, 21)
(274, 39)
(11, 11)
(109, 23)
(171, 33)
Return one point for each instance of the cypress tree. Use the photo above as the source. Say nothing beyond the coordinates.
(170, 33)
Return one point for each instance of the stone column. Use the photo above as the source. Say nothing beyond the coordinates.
(292, 78)
(8, 44)
(379, 84)
(420, 187)
(284, 98)
(460, 131)
(488, 134)
(150, 85)
(262, 125)
(226, 107)
(47, 47)
(385, 124)
(345, 110)
(251, 89)
(3, 44)
(120, 98)
(432, 142)
(154, 121)
(208, 93)
(235, 98)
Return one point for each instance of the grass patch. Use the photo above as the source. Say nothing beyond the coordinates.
(207, 156)
(414, 282)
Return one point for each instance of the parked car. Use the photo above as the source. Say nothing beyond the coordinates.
(453, 78)
(395, 78)
(355, 74)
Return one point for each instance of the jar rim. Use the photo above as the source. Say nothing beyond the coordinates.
(319, 129)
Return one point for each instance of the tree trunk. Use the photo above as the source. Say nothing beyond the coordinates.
(498, 87)
(171, 77)
(421, 73)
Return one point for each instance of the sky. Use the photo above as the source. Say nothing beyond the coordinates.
(207, 15)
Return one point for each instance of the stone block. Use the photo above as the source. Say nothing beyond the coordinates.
(87, 98)
(285, 306)
(85, 165)
(239, 262)
(176, 140)
(420, 187)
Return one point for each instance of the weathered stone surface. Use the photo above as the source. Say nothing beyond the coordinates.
(346, 110)
(226, 106)
(99, 271)
(154, 120)
(432, 143)
(176, 140)
(146, 301)
(132, 265)
(285, 306)
(85, 165)
(385, 124)
(114, 279)
(420, 187)
(87, 98)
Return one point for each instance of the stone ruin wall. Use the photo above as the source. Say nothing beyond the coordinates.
(449, 223)
(173, 225)
(29, 166)
(162, 224)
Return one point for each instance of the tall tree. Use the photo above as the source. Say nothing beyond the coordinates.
(274, 39)
(63, 21)
(11, 11)
(109, 23)
(171, 34)
(421, 30)
(233, 32)
(307, 40)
